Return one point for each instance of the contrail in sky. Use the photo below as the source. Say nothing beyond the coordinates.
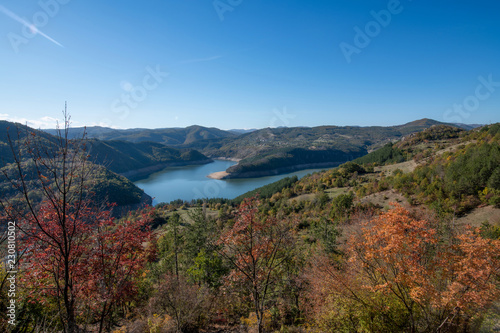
(33, 28)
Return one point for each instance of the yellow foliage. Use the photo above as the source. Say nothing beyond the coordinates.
(251, 322)
(158, 323)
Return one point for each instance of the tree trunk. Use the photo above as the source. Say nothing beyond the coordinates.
(72, 327)
(258, 312)
(103, 316)
(259, 323)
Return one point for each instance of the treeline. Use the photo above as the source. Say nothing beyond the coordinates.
(286, 159)
(267, 191)
(456, 182)
(387, 154)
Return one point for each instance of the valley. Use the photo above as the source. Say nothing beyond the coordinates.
(431, 179)
(268, 151)
(235, 166)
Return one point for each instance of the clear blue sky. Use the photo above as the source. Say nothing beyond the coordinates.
(249, 63)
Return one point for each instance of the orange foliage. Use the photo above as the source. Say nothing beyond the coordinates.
(403, 272)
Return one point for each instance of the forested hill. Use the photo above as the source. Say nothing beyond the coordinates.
(291, 159)
(135, 160)
(123, 157)
(13, 130)
(265, 151)
(446, 169)
(273, 150)
(167, 136)
(105, 185)
(113, 160)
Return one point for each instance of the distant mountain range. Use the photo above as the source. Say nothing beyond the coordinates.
(271, 150)
(136, 153)
(115, 162)
(278, 150)
(167, 136)
(193, 135)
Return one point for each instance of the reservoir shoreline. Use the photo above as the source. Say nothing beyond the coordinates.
(191, 183)
(222, 175)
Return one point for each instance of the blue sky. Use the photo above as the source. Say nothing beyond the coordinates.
(249, 63)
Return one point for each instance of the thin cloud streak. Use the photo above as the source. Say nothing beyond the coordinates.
(27, 24)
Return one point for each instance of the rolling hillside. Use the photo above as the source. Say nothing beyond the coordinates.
(104, 184)
(166, 136)
(283, 149)
(261, 152)
(136, 160)
(445, 169)
(132, 159)
(113, 160)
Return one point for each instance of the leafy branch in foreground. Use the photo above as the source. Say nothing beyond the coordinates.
(77, 262)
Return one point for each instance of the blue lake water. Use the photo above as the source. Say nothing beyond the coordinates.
(191, 182)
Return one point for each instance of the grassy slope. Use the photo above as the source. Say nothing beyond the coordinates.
(438, 147)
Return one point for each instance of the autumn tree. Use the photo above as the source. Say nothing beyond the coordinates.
(403, 274)
(257, 249)
(117, 258)
(69, 241)
(183, 301)
(105, 260)
(58, 170)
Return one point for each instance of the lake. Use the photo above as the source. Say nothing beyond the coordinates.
(191, 182)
